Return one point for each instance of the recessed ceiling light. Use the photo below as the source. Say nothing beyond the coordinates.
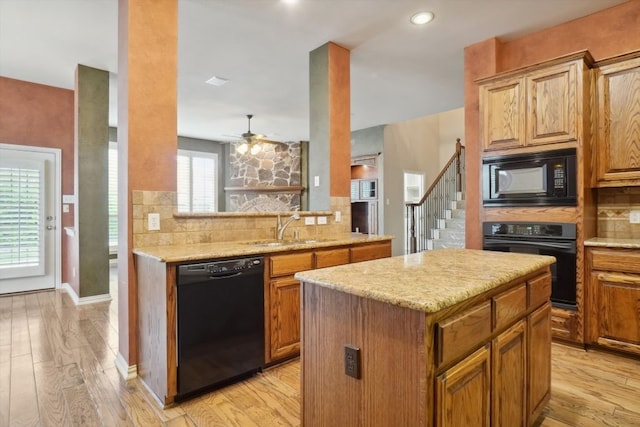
(422, 18)
(289, 1)
(217, 81)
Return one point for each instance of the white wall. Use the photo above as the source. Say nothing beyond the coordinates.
(420, 145)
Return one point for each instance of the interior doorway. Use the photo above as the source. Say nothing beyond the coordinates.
(29, 218)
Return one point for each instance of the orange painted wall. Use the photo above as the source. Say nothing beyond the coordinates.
(340, 121)
(41, 116)
(607, 33)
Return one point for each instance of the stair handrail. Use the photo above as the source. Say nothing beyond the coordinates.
(412, 206)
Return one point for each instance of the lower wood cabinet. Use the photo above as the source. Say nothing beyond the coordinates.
(507, 381)
(285, 317)
(462, 392)
(283, 293)
(509, 376)
(613, 299)
(539, 363)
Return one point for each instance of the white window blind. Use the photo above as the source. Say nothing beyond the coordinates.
(197, 181)
(113, 194)
(21, 206)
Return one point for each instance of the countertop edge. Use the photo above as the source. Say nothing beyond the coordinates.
(204, 251)
(610, 242)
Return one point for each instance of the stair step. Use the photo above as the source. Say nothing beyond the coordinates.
(457, 204)
(441, 244)
(451, 234)
(458, 213)
(455, 223)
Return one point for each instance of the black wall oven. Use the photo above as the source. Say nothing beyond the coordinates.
(540, 238)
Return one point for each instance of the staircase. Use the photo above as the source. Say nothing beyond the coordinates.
(450, 227)
(437, 220)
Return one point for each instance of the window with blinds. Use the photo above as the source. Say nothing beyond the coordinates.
(197, 181)
(113, 195)
(21, 202)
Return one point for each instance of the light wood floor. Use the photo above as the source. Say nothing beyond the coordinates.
(57, 369)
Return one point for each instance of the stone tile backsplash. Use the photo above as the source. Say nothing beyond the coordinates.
(184, 229)
(614, 206)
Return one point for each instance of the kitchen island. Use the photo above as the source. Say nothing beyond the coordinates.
(453, 337)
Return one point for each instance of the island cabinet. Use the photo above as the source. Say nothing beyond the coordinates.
(283, 302)
(613, 298)
(537, 105)
(618, 121)
(369, 358)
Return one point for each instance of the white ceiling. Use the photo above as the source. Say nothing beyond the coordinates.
(398, 71)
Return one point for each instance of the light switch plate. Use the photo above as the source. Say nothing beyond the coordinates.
(309, 220)
(338, 216)
(322, 220)
(153, 222)
(634, 217)
(316, 181)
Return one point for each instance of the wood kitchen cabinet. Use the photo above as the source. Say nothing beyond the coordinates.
(283, 306)
(613, 295)
(512, 374)
(537, 105)
(539, 362)
(618, 121)
(462, 392)
(509, 376)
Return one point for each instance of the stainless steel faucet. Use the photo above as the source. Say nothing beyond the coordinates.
(282, 226)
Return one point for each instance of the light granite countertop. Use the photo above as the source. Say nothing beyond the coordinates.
(427, 281)
(610, 242)
(204, 251)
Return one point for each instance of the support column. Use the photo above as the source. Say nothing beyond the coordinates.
(330, 125)
(91, 155)
(147, 137)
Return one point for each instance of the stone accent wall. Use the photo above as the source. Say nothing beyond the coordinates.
(614, 205)
(277, 165)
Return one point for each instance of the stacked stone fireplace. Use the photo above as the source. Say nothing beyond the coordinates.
(268, 181)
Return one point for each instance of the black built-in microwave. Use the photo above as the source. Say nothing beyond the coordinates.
(534, 179)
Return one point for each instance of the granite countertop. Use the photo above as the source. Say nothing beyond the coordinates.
(610, 242)
(203, 251)
(428, 281)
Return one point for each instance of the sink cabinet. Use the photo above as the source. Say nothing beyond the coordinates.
(282, 298)
(613, 295)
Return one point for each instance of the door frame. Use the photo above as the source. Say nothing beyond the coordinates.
(57, 206)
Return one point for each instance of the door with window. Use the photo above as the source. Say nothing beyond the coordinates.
(28, 219)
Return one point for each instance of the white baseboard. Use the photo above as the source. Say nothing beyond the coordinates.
(84, 300)
(128, 372)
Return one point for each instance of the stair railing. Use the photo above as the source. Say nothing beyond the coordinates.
(423, 216)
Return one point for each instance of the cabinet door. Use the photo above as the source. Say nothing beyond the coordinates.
(502, 114)
(618, 302)
(618, 138)
(539, 363)
(508, 372)
(463, 392)
(552, 103)
(285, 317)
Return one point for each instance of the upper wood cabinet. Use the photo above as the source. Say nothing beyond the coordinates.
(537, 105)
(618, 119)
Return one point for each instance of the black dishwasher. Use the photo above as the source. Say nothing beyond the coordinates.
(220, 323)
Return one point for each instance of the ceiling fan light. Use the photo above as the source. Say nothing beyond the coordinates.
(256, 148)
(242, 148)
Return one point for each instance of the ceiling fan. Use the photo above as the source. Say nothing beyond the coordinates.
(252, 141)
